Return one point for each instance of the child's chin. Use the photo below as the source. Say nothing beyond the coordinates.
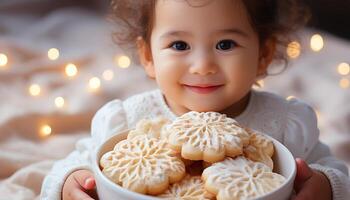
(205, 107)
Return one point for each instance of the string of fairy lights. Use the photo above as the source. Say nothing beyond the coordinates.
(71, 70)
(317, 43)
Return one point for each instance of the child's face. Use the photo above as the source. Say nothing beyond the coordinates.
(203, 58)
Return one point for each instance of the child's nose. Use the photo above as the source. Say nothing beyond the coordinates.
(203, 64)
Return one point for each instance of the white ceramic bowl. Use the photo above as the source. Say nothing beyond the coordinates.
(284, 164)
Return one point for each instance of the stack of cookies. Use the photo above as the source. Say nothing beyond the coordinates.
(160, 158)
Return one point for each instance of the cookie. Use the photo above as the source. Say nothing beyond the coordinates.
(143, 164)
(260, 149)
(151, 127)
(240, 178)
(190, 188)
(207, 136)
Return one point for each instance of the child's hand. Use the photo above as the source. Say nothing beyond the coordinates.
(311, 184)
(79, 185)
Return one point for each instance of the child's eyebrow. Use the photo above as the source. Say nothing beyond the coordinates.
(174, 33)
(233, 31)
(222, 31)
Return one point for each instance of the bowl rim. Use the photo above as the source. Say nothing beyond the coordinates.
(291, 176)
(97, 171)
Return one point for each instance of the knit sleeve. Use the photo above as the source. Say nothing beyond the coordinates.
(301, 137)
(109, 120)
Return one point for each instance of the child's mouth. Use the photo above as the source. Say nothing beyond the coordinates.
(202, 89)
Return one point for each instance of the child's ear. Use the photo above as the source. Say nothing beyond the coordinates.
(267, 53)
(145, 56)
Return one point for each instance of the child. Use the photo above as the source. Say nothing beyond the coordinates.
(205, 56)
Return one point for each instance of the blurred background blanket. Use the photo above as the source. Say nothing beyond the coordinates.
(83, 36)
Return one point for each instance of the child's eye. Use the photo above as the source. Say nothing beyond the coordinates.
(226, 45)
(180, 46)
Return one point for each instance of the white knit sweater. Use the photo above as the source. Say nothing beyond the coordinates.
(292, 122)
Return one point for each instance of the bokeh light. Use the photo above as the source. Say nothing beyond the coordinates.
(316, 42)
(108, 75)
(343, 69)
(294, 49)
(45, 130)
(59, 102)
(34, 90)
(71, 70)
(3, 60)
(290, 97)
(94, 83)
(123, 61)
(344, 83)
(53, 54)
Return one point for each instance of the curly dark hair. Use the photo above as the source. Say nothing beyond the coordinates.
(271, 19)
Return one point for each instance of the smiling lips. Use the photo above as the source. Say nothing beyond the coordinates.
(202, 89)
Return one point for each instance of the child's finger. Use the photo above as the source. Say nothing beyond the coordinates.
(303, 170)
(304, 173)
(85, 179)
(93, 194)
(89, 183)
(78, 194)
(303, 195)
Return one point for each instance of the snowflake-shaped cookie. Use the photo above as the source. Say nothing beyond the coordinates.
(143, 164)
(190, 188)
(207, 136)
(151, 127)
(260, 149)
(240, 178)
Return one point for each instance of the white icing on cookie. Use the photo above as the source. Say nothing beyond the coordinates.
(143, 164)
(190, 188)
(240, 178)
(207, 136)
(260, 149)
